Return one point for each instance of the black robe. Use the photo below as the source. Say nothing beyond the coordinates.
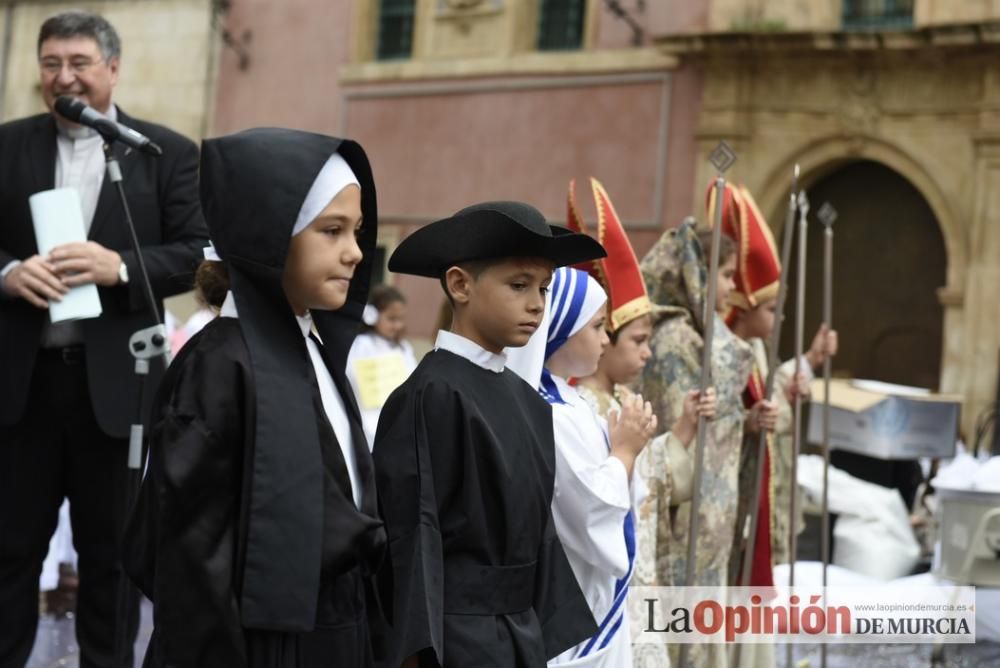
(246, 536)
(465, 466)
(187, 535)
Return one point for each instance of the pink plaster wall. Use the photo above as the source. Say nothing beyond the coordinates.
(685, 108)
(296, 50)
(435, 154)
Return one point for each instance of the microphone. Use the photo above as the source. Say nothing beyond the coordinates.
(76, 111)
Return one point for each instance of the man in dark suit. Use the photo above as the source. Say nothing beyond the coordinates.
(68, 392)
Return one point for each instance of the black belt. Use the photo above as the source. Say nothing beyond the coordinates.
(70, 355)
(479, 589)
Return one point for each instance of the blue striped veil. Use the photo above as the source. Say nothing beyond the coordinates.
(575, 298)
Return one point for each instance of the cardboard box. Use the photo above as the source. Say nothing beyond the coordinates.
(885, 421)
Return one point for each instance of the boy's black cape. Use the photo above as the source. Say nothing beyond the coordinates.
(465, 465)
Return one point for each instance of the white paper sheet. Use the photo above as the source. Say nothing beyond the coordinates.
(58, 219)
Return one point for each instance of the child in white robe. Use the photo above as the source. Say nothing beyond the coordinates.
(380, 358)
(595, 492)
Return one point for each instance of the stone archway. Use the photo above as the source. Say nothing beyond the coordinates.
(821, 159)
(889, 262)
(823, 156)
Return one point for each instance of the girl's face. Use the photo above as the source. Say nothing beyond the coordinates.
(391, 323)
(322, 257)
(726, 283)
(625, 359)
(580, 355)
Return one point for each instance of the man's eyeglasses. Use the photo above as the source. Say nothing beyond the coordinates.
(53, 66)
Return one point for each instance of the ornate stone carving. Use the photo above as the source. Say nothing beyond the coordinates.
(461, 5)
(464, 13)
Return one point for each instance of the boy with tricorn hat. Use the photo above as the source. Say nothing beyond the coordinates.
(465, 457)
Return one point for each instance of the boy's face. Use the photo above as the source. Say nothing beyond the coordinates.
(322, 257)
(726, 283)
(580, 355)
(504, 305)
(759, 322)
(624, 359)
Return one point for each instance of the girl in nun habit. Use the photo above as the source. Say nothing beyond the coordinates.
(595, 491)
(257, 529)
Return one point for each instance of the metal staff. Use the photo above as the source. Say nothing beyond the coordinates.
(827, 215)
(772, 362)
(800, 305)
(722, 158)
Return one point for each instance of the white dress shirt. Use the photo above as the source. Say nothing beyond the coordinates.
(470, 350)
(79, 165)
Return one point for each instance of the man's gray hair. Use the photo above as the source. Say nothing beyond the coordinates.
(78, 23)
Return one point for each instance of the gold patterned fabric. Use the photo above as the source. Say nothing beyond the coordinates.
(675, 271)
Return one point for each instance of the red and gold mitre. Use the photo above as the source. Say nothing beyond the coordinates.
(618, 273)
(758, 265)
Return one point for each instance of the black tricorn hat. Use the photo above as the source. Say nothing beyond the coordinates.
(487, 231)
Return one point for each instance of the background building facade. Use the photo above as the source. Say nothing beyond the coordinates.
(891, 107)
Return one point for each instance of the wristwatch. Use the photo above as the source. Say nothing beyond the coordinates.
(122, 273)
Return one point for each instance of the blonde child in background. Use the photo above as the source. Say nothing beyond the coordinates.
(380, 358)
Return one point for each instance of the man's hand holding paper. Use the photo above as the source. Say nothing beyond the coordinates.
(79, 263)
(62, 239)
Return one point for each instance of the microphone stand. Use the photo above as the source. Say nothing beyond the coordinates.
(144, 345)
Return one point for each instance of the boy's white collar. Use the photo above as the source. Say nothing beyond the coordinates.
(470, 350)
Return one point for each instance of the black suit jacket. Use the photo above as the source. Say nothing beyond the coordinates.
(163, 197)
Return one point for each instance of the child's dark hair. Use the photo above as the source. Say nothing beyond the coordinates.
(727, 245)
(475, 269)
(445, 314)
(613, 336)
(382, 297)
(211, 283)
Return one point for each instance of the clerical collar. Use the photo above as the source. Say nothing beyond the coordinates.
(82, 131)
(470, 350)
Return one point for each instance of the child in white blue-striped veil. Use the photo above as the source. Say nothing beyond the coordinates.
(595, 491)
